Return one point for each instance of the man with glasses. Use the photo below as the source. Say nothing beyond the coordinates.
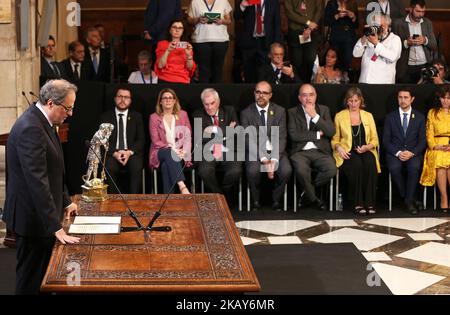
(126, 149)
(419, 44)
(310, 128)
(36, 197)
(266, 144)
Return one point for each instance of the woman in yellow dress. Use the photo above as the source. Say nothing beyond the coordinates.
(355, 146)
(436, 165)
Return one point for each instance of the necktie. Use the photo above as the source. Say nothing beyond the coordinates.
(405, 122)
(121, 138)
(217, 147)
(277, 76)
(259, 22)
(55, 69)
(76, 74)
(95, 61)
(262, 117)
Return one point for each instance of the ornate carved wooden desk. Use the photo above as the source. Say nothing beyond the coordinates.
(202, 253)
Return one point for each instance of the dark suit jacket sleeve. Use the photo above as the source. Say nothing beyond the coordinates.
(296, 132)
(283, 131)
(137, 145)
(325, 123)
(387, 136)
(422, 140)
(32, 155)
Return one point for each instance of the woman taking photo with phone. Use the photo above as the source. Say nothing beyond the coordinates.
(174, 58)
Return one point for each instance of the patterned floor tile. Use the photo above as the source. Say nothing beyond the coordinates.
(411, 224)
(425, 237)
(432, 252)
(278, 240)
(279, 227)
(376, 256)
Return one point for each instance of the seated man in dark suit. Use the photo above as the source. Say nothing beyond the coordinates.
(97, 58)
(214, 121)
(404, 141)
(311, 129)
(50, 69)
(278, 71)
(75, 68)
(265, 145)
(126, 149)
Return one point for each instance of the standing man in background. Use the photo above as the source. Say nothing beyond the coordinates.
(36, 196)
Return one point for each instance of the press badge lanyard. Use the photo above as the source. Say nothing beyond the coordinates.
(375, 56)
(143, 79)
(207, 6)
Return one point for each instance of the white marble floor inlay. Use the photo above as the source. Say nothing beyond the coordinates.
(402, 281)
(278, 240)
(425, 237)
(432, 253)
(363, 240)
(411, 224)
(341, 223)
(248, 240)
(280, 227)
(376, 256)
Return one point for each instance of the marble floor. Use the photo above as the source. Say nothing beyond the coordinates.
(411, 255)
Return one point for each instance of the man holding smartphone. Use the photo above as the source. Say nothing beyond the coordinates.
(418, 43)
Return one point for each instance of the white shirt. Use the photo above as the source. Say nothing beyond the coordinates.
(268, 144)
(204, 33)
(170, 132)
(124, 119)
(386, 54)
(73, 63)
(408, 118)
(91, 51)
(136, 77)
(310, 145)
(416, 53)
(39, 106)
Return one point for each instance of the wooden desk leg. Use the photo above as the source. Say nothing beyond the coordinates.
(10, 239)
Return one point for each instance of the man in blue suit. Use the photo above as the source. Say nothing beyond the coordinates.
(262, 27)
(404, 141)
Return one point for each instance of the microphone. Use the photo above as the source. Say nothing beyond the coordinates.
(158, 212)
(24, 95)
(33, 94)
(130, 212)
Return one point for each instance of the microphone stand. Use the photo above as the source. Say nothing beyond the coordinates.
(130, 212)
(28, 101)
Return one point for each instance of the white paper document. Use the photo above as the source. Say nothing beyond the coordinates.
(96, 220)
(94, 229)
(303, 40)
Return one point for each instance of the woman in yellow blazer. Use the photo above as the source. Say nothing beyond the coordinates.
(355, 146)
(436, 165)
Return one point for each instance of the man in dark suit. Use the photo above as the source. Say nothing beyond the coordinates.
(98, 59)
(75, 67)
(126, 149)
(404, 141)
(50, 69)
(419, 44)
(278, 71)
(217, 131)
(36, 196)
(262, 27)
(266, 144)
(311, 129)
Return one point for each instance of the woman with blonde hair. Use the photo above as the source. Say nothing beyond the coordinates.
(436, 165)
(355, 151)
(170, 132)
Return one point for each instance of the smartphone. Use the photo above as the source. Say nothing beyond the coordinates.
(286, 63)
(415, 36)
(181, 45)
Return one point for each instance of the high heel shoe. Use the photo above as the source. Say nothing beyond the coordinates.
(360, 210)
(371, 210)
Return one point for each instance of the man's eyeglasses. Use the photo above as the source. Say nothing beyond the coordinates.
(125, 97)
(265, 93)
(68, 109)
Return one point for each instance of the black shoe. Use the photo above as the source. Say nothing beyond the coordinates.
(276, 206)
(319, 205)
(419, 205)
(256, 206)
(411, 208)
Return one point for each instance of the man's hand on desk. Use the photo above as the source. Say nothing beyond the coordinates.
(66, 239)
(70, 210)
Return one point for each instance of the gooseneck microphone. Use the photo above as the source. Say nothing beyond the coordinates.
(33, 94)
(132, 214)
(24, 95)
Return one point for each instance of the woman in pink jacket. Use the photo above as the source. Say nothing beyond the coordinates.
(170, 132)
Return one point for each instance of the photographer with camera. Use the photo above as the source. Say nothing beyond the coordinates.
(436, 73)
(419, 43)
(380, 49)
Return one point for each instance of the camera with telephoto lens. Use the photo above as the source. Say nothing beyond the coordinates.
(372, 30)
(428, 73)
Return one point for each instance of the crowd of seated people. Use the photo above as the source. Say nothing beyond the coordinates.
(397, 44)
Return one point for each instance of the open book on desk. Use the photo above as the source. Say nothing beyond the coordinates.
(95, 225)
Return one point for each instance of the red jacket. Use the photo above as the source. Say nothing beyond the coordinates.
(175, 69)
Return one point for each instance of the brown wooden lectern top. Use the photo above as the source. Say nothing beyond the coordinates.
(202, 253)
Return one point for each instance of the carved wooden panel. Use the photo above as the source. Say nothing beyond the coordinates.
(202, 253)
